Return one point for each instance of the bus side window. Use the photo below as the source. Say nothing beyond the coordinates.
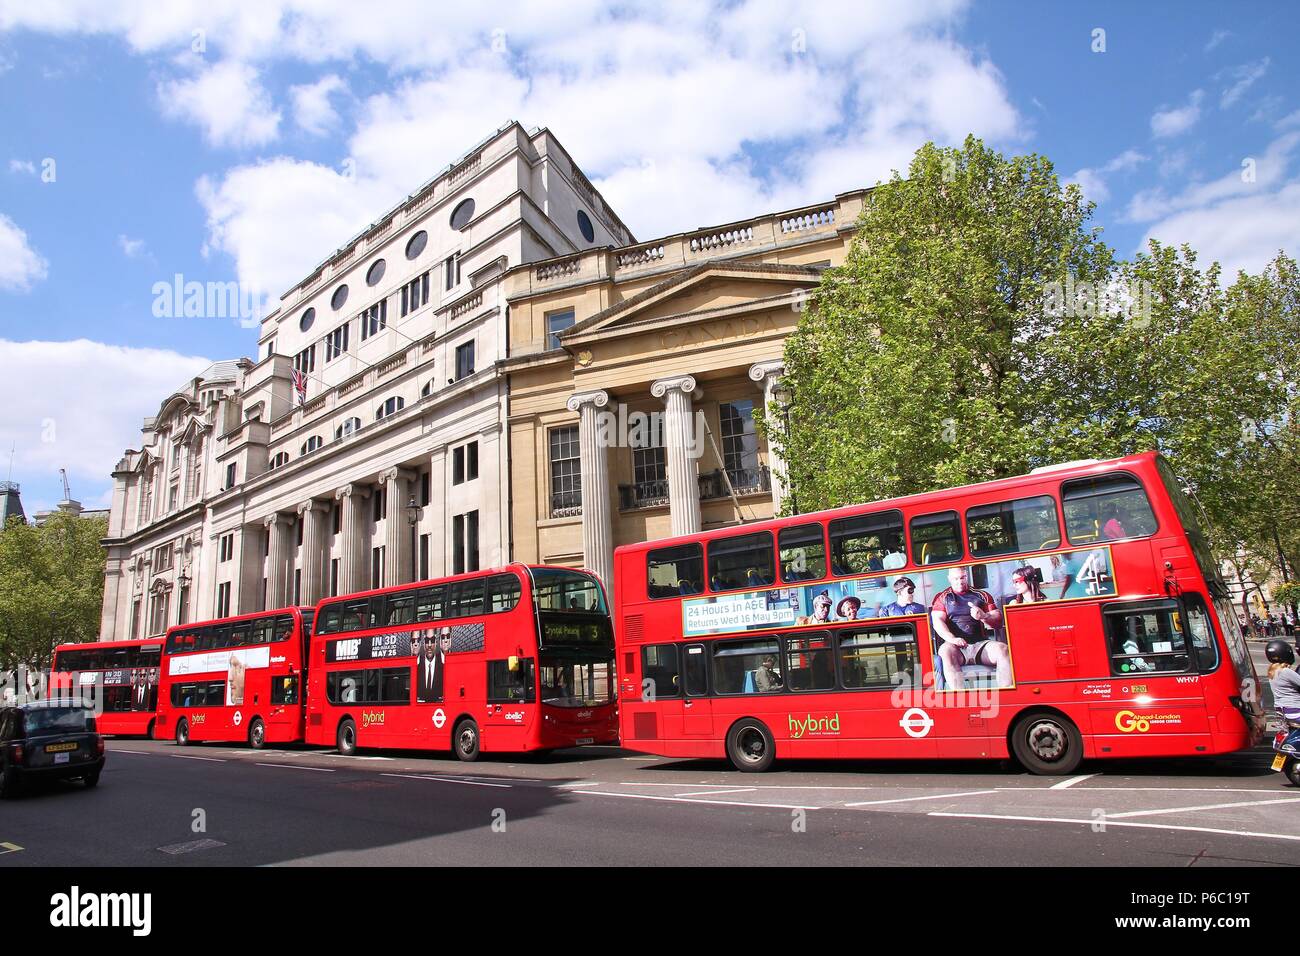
(674, 571)
(1201, 632)
(803, 553)
(1106, 508)
(936, 538)
(864, 543)
(660, 674)
(742, 561)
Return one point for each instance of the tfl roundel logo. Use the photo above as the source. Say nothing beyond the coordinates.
(1127, 722)
(916, 722)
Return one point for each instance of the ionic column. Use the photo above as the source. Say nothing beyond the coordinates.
(280, 529)
(683, 470)
(768, 375)
(352, 555)
(397, 530)
(597, 521)
(313, 515)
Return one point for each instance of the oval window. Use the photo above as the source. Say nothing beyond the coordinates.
(376, 272)
(340, 296)
(462, 214)
(585, 227)
(417, 243)
(307, 319)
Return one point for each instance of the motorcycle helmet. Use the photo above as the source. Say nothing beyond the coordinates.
(1279, 652)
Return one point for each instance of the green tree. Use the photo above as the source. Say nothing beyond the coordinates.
(51, 587)
(979, 328)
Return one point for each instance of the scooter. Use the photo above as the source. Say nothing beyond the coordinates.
(1286, 749)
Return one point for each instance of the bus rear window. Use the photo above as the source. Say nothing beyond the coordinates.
(1026, 524)
(673, 571)
(1106, 508)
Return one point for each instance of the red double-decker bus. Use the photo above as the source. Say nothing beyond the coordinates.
(236, 679)
(1073, 612)
(510, 660)
(120, 677)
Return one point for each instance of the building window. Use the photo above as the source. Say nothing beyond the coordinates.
(649, 470)
(424, 557)
(339, 297)
(374, 318)
(464, 360)
(416, 244)
(158, 612)
(223, 599)
(390, 407)
(426, 488)
(135, 618)
(173, 497)
(557, 322)
(336, 343)
(376, 567)
(375, 272)
(162, 558)
(305, 361)
(566, 472)
(297, 586)
(230, 475)
(464, 463)
(380, 503)
(464, 533)
(740, 445)
(337, 518)
(307, 319)
(415, 293)
(462, 214)
(183, 606)
(347, 428)
(226, 548)
(585, 227)
(451, 271)
(279, 460)
(427, 389)
(311, 444)
(334, 577)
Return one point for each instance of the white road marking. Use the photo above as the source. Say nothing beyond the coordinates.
(196, 757)
(467, 783)
(713, 793)
(570, 786)
(1150, 789)
(147, 753)
(9, 848)
(933, 796)
(1067, 784)
(291, 766)
(779, 786)
(717, 803)
(1112, 823)
(1213, 806)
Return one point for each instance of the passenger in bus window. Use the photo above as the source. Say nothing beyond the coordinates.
(968, 620)
(1113, 528)
(766, 678)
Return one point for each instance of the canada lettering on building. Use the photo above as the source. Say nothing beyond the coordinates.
(718, 331)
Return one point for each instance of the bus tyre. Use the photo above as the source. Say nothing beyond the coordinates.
(750, 746)
(182, 732)
(347, 737)
(148, 731)
(1047, 744)
(257, 734)
(465, 740)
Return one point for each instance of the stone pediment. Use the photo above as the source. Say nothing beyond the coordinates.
(703, 293)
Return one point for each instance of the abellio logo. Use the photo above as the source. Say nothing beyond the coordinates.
(75, 909)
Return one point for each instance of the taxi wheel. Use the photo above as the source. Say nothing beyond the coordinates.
(257, 734)
(8, 784)
(465, 740)
(92, 780)
(1047, 744)
(182, 732)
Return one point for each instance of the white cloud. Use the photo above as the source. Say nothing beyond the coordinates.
(1093, 182)
(22, 166)
(20, 264)
(1172, 122)
(1259, 174)
(226, 101)
(1217, 37)
(131, 248)
(1245, 77)
(312, 109)
(103, 394)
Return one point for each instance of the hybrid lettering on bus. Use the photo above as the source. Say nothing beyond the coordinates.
(516, 659)
(121, 676)
(236, 679)
(1073, 612)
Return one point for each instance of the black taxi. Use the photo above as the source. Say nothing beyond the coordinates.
(46, 740)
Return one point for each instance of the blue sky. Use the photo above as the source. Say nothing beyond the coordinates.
(229, 141)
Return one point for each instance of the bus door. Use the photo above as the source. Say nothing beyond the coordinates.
(958, 720)
(697, 708)
(511, 701)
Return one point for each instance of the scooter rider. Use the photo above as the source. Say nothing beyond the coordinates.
(1284, 679)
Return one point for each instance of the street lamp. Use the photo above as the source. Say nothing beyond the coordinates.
(784, 399)
(413, 518)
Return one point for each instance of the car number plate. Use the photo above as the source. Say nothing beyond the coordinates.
(1279, 761)
(62, 758)
(59, 748)
(585, 740)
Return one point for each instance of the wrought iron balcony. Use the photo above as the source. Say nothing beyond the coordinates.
(643, 494)
(566, 504)
(745, 481)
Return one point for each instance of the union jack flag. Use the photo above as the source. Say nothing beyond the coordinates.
(300, 386)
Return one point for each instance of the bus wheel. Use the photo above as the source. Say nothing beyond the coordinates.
(347, 737)
(1047, 744)
(257, 734)
(148, 731)
(465, 740)
(182, 732)
(750, 747)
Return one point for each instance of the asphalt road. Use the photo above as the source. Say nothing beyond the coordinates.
(159, 805)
